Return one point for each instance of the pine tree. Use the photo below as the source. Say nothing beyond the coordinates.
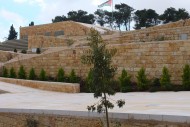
(125, 81)
(12, 33)
(22, 73)
(186, 76)
(165, 79)
(43, 75)
(61, 75)
(12, 73)
(32, 74)
(142, 80)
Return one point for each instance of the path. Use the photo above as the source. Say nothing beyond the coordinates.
(163, 103)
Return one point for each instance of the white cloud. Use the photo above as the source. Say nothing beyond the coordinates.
(40, 3)
(10, 18)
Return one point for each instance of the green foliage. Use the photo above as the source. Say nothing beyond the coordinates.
(102, 72)
(31, 24)
(38, 51)
(15, 50)
(22, 73)
(73, 77)
(125, 12)
(42, 76)
(32, 123)
(165, 79)
(142, 81)
(125, 81)
(186, 77)
(146, 18)
(69, 42)
(12, 33)
(23, 51)
(89, 80)
(12, 73)
(78, 16)
(61, 75)
(173, 15)
(32, 74)
(5, 72)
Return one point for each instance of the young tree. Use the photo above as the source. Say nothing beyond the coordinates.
(72, 77)
(165, 79)
(12, 33)
(12, 73)
(22, 73)
(186, 77)
(102, 72)
(125, 81)
(42, 75)
(142, 80)
(5, 72)
(32, 74)
(61, 75)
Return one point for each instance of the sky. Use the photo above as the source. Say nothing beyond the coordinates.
(22, 12)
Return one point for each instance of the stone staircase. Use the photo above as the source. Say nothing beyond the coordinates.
(10, 45)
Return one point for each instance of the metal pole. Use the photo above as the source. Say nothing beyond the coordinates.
(112, 15)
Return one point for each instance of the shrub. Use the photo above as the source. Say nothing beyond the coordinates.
(38, 51)
(125, 81)
(23, 51)
(142, 81)
(156, 82)
(22, 73)
(73, 77)
(165, 79)
(155, 85)
(5, 72)
(32, 123)
(60, 75)
(89, 81)
(43, 75)
(69, 42)
(12, 73)
(15, 50)
(32, 74)
(186, 77)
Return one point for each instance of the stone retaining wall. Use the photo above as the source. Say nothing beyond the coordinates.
(153, 56)
(69, 28)
(50, 86)
(48, 118)
(6, 56)
(45, 42)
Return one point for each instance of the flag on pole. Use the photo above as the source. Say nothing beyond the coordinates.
(107, 3)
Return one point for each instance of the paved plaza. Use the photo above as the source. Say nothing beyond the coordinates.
(159, 103)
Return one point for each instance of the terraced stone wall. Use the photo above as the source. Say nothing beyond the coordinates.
(132, 56)
(170, 31)
(6, 56)
(45, 42)
(69, 28)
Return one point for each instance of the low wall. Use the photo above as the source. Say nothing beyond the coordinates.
(50, 86)
(59, 118)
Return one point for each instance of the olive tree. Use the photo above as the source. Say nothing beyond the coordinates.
(102, 73)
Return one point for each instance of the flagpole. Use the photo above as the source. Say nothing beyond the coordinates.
(112, 15)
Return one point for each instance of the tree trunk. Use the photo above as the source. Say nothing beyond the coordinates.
(107, 119)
